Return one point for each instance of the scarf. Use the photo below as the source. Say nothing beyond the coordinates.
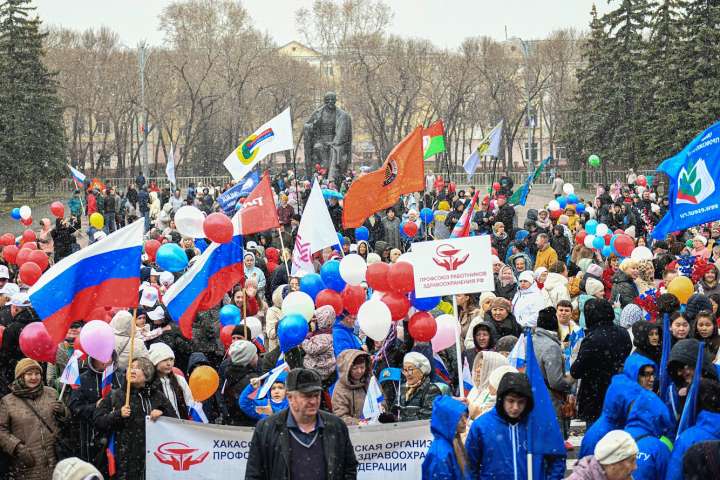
(19, 389)
(411, 389)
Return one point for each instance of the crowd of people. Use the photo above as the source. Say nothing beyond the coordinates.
(596, 320)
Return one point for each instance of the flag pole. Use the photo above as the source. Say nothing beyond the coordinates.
(130, 357)
(282, 254)
(245, 329)
(62, 391)
(457, 347)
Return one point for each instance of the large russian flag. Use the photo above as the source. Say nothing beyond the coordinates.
(104, 274)
(206, 282)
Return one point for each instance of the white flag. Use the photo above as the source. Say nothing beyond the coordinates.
(316, 231)
(274, 136)
(270, 380)
(373, 400)
(489, 147)
(170, 166)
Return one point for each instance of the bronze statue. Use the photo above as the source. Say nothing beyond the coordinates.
(328, 140)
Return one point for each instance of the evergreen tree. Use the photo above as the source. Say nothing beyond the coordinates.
(32, 139)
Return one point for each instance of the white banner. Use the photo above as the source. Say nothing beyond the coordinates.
(452, 266)
(184, 449)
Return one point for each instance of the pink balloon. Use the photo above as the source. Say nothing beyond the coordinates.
(445, 335)
(98, 340)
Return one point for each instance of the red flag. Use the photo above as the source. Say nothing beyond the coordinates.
(259, 213)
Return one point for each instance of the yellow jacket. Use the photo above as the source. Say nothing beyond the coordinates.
(545, 258)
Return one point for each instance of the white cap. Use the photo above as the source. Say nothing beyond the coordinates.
(527, 275)
(250, 246)
(166, 278)
(21, 299)
(10, 290)
(157, 314)
(149, 297)
(614, 447)
(159, 352)
(4, 272)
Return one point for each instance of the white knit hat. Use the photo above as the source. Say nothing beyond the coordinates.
(241, 352)
(615, 447)
(593, 287)
(419, 360)
(159, 352)
(74, 469)
(527, 275)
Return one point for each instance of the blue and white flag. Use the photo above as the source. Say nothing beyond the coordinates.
(197, 414)
(71, 374)
(228, 200)
(467, 377)
(270, 380)
(170, 166)
(373, 400)
(517, 354)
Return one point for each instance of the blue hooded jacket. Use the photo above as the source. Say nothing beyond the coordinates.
(440, 462)
(621, 393)
(248, 405)
(705, 429)
(344, 339)
(648, 420)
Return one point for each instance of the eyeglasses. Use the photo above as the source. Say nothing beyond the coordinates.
(409, 370)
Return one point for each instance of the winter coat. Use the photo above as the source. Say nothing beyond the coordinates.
(649, 419)
(508, 291)
(548, 352)
(206, 336)
(272, 318)
(622, 392)
(18, 424)
(588, 468)
(702, 460)
(561, 245)
(237, 377)
(509, 326)
(624, 288)
(122, 328)
(546, 258)
(391, 229)
(343, 338)
(440, 461)
(419, 405)
(555, 289)
(249, 405)
(269, 456)
(10, 352)
(506, 215)
(526, 305)
(348, 397)
(501, 243)
(706, 428)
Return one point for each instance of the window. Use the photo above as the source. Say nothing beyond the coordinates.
(534, 151)
(102, 126)
(329, 70)
(560, 152)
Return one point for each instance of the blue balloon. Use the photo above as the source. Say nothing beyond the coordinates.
(572, 199)
(425, 304)
(607, 250)
(521, 235)
(612, 243)
(362, 233)
(591, 226)
(171, 257)
(311, 284)
(562, 201)
(330, 273)
(15, 214)
(230, 315)
(580, 208)
(291, 331)
(341, 239)
(426, 215)
(403, 235)
(598, 243)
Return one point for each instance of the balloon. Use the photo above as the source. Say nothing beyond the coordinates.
(580, 208)
(589, 239)
(26, 221)
(445, 307)
(97, 220)
(374, 319)
(7, 239)
(29, 246)
(607, 238)
(580, 237)
(410, 229)
(29, 273)
(682, 287)
(230, 315)
(377, 276)
(10, 253)
(330, 273)
(601, 230)
(204, 382)
(39, 258)
(641, 253)
(311, 284)
(362, 233)
(553, 205)
(568, 188)
(555, 214)
(171, 257)
(57, 209)
(400, 277)
(330, 297)
(291, 331)
(426, 303)
(598, 242)
(572, 199)
(591, 226)
(623, 245)
(35, 343)
(426, 215)
(22, 256)
(151, 248)
(607, 251)
(226, 335)
(15, 213)
(353, 297)
(298, 303)
(641, 180)
(422, 327)
(189, 221)
(445, 335)
(352, 269)
(29, 236)
(218, 227)
(496, 186)
(254, 326)
(618, 231)
(689, 243)
(397, 303)
(98, 340)
(25, 212)
(562, 202)
(594, 160)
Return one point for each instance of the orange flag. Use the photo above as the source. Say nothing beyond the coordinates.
(402, 172)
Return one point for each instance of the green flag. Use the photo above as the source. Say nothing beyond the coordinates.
(433, 139)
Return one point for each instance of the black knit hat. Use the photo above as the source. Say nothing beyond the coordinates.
(547, 319)
(303, 380)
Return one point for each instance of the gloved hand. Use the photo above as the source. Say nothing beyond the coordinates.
(25, 455)
(58, 407)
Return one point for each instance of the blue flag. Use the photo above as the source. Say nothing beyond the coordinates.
(229, 199)
(694, 200)
(520, 195)
(663, 375)
(689, 414)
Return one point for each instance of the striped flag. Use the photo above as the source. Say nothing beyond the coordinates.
(462, 227)
(274, 374)
(467, 377)
(110, 452)
(373, 399)
(77, 176)
(196, 413)
(440, 369)
(71, 373)
(517, 354)
(107, 380)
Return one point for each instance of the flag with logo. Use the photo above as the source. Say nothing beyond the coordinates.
(694, 198)
(228, 200)
(71, 373)
(402, 172)
(520, 195)
(170, 166)
(489, 147)
(462, 227)
(433, 139)
(373, 400)
(259, 213)
(273, 136)
(316, 231)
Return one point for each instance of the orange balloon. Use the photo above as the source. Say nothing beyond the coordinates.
(204, 382)
(682, 288)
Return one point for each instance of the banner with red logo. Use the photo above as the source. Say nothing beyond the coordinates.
(184, 449)
(452, 266)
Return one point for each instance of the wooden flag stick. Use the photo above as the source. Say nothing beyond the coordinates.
(282, 254)
(130, 357)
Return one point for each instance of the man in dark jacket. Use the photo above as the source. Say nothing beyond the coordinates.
(110, 210)
(302, 441)
(143, 199)
(505, 214)
(602, 354)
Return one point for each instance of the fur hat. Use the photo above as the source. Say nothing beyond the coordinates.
(500, 302)
(159, 352)
(25, 365)
(614, 447)
(241, 352)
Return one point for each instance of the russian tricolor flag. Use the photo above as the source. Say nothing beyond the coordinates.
(104, 274)
(78, 176)
(204, 284)
(440, 369)
(107, 380)
(197, 414)
(110, 452)
(71, 373)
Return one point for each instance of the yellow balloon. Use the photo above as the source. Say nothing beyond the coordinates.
(204, 382)
(445, 307)
(97, 220)
(682, 288)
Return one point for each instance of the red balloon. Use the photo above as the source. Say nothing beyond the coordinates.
(35, 343)
(26, 221)
(555, 214)
(2, 332)
(580, 237)
(330, 297)
(397, 303)
(623, 245)
(496, 186)
(607, 238)
(352, 297)
(422, 327)
(151, 248)
(400, 276)
(410, 229)
(29, 236)
(7, 239)
(226, 335)
(218, 227)
(29, 245)
(29, 273)
(10, 253)
(22, 256)
(618, 231)
(57, 209)
(377, 277)
(39, 258)
(641, 180)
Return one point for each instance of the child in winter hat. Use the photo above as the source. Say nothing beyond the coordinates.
(318, 347)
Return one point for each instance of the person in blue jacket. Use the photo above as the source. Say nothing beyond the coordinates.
(637, 376)
(706, 428)
(343, 335)
(273, 402)
(496, 445)
(448, 421)
(648, 421)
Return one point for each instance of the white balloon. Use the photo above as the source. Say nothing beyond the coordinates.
(189, 221)
(590, 211)
(254, 325)
(641, 253)
(601, 230)
(445, 335)
(352, 269)
(25, 212)
(406, 257)
(377, 295)
(568, 189)
(553, 205)
(300, 303)
(589, 241)
(374, 319)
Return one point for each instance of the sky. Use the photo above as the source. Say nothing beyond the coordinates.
(446, 23)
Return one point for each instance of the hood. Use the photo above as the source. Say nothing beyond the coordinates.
(490, 328)
(272, 254)
(641, 333)
(122, 323)
(634, 363)
(380, 245)
(618, 398)
(345, 361)
(195, 360)
(649, 416)
(519, 384)
(533, 288)
(685, 353)
(446, 413)
(528, 263)
(277, 296)
(621, 277)
(532, 214)
(555, 280)
(695, 305)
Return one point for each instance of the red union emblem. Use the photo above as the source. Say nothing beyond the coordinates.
(302, 249)
(179, 456)
(449, 257)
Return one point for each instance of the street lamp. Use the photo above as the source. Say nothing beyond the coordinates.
(526, 54)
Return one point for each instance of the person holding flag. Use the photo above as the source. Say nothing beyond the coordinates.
(258, 402)
(173, 386)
